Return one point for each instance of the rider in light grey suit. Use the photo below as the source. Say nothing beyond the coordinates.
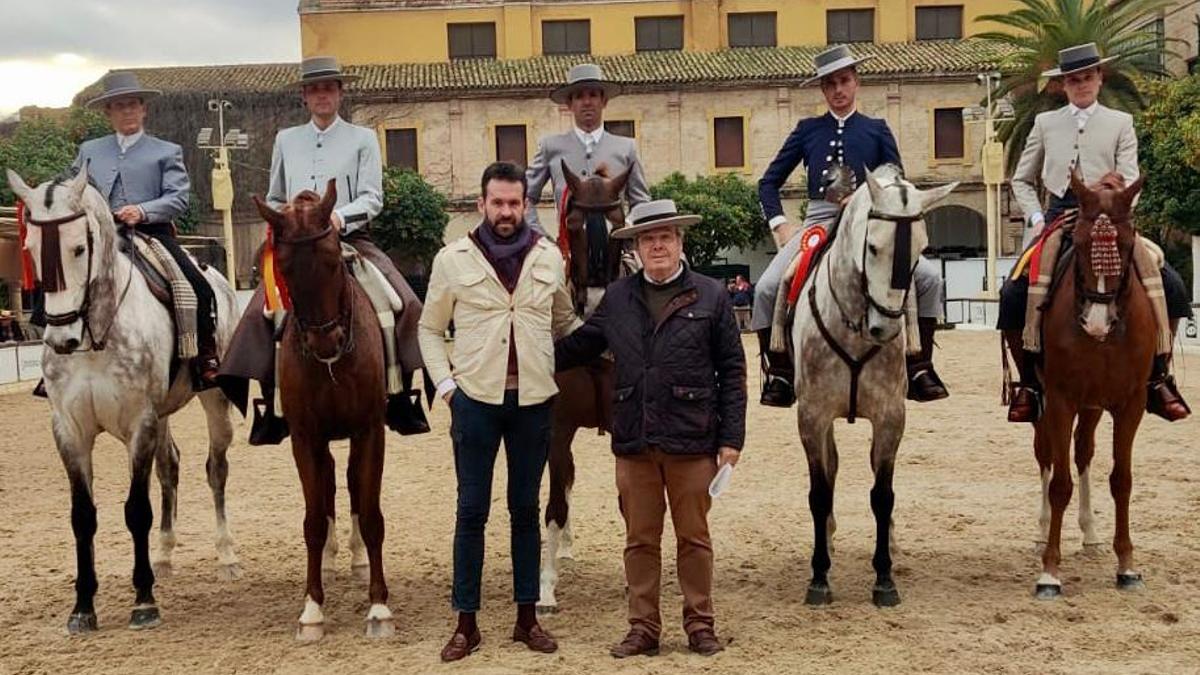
(585, 147)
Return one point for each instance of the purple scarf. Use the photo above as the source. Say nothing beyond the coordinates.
(507, 255)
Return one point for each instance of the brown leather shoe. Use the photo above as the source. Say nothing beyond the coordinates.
(636, 643)
(925, 385)
(536, 638)
(460, 646)
(704, 642)
(1026, 405)
(1163, 399)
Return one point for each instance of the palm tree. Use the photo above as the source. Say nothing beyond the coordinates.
(1040, 28)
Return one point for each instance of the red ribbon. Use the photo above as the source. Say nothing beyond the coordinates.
(28, 277)
(564, 240)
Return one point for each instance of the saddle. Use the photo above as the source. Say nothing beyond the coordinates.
(814, 242)
(167, 284)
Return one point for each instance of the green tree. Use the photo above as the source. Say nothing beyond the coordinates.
(1169, 153)
(1040, 28)
(729, 206)
(41, 148)
(412, 225)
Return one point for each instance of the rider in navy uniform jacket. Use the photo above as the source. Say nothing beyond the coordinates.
(841, 137)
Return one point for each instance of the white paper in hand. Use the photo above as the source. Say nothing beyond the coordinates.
(720, 481)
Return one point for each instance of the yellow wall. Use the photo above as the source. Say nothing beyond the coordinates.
(419, 35)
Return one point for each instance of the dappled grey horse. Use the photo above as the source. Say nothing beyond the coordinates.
(849, 354)
(107, 364)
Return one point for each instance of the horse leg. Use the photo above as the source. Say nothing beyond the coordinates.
(883, 498)
(220, 435)
(139, 517)
(1057, 421)
(329, 490)
(558, 509)
(1041, 452)
(1120, 481)
(822, 471)
(313, 463)
(364, 479)
(75, 450)
(1085, 449)
(832, 469)
(166, 466)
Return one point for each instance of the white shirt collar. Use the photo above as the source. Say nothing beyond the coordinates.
(127, 142)
(842, 120)
(668, 280)
(594, 135)
(1076, 111)
(332, 125)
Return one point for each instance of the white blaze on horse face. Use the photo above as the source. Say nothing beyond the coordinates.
(1096, 321)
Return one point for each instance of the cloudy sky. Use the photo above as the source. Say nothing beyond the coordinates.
(53, 48)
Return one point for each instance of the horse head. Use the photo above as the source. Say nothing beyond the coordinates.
(1103, 238)
(887, 228)
(70, 238)
(308, 252)
(594, 204)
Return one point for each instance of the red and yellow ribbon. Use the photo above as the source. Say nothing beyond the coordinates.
(275, 289)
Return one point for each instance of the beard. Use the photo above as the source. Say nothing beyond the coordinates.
(504, 227)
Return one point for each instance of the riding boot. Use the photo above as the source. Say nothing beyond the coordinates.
(267, 428)
(778, 374)
(1025, 403)
(924, 384)
(1163, 397)
(205, 365)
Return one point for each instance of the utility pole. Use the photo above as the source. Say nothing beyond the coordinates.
(992, 162)
(222, 178)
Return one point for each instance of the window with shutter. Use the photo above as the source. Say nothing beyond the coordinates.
(511, 145)
(567, 37)
(472, 40)
(948, 133)
(402, 148)
(657, 33)
(752, 29)
(849, 25)
(940, 23)
(729, 142)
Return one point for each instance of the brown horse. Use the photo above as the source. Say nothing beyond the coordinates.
(331, 383)
(585, 394)
(1100, 337)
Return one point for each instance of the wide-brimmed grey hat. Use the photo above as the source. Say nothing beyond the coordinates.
(583, 76)
(651, 216)
(121, 84)
(321, 69)
(1077, 58)
(832, 60)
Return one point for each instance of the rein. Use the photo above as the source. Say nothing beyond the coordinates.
(52, 265)
(345, 314)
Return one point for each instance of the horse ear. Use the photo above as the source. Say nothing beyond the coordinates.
(1132, 191)
(874, 186)
(618, 183)
(18, 186)
(572, 179)
(1078, 188)
(274, 218)
(79, 183)
(935, 195)
(330, 198)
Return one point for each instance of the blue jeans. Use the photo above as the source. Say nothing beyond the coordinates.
(476, 430)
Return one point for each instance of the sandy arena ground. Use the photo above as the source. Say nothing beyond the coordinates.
(967, 493)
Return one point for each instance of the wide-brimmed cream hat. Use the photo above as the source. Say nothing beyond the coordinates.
(651, 216)
(121, 84)
(582, 76)
(832, 60)
(321, 69)
(1077, 58)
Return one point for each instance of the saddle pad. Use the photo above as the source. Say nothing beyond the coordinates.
(812, 242)
(1031, 259)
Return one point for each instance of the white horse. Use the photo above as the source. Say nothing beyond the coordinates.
(849, 354)
(109, 346)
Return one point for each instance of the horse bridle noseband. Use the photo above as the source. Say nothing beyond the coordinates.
(345, 314)
(82, 312)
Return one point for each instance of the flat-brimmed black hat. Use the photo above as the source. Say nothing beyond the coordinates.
(1077, 58)
(321, 69)
(121, 84)
(584, 76)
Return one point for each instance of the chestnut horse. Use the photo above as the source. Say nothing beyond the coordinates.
(1099, 342)
(331, 385)
(585, 394)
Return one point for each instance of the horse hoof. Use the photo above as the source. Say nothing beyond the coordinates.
(310, 632)
(163, 570)
(818, 594)
(1130, 581)
(1048, 591)
(361, 572)
(380, 628)
(885, 595)
(82, 623)
(230, 572)
(144, 618)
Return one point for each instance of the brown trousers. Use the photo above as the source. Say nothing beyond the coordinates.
(646, 483)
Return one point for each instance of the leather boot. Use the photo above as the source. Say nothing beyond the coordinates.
(779, 374)
(924, 384)
(1163, 397)
(205, 365)
(266, 428)
(1025, 402)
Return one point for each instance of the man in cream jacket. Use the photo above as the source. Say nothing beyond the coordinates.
(504, 287)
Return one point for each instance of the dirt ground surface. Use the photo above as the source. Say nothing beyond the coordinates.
(966, 508)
